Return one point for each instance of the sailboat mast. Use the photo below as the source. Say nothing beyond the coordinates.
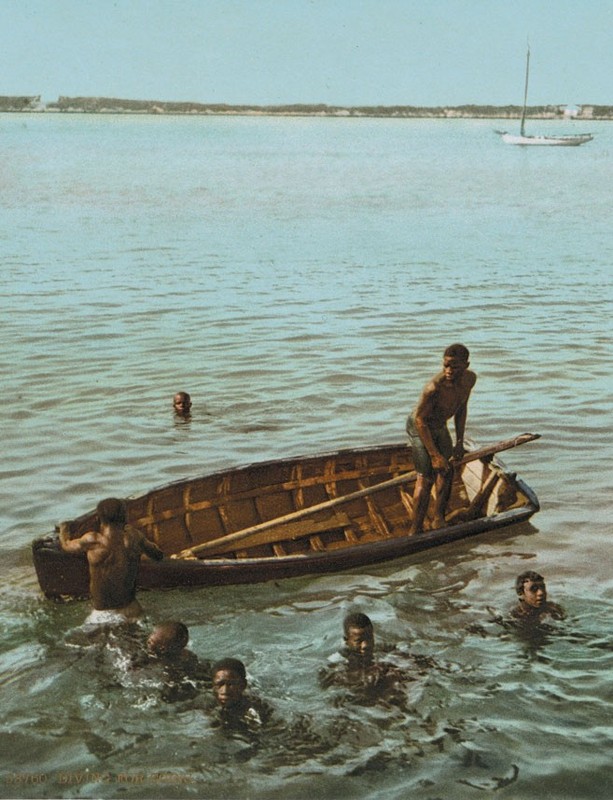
(523, 113)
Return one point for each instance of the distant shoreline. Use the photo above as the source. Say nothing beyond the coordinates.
(109, 105)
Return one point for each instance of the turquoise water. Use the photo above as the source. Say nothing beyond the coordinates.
(300, 278)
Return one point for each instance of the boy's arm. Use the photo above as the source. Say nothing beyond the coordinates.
(80, 545)
(459, 420)
(140, 541)
(150, 548)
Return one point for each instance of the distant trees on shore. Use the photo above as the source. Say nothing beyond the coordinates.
(112, 105)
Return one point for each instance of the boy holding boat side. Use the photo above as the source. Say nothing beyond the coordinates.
(113, 554)
(443, 397)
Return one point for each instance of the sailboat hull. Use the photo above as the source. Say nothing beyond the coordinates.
(548, 141)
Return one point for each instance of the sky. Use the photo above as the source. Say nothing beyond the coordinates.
(337, 52)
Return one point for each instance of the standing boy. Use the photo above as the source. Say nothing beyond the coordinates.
(445, 396)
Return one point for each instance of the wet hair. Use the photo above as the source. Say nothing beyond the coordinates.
(181, 396)
(529, 575)
(356, 620)
(230, 665)
(111, 511)
(169, 637)
(458, 351)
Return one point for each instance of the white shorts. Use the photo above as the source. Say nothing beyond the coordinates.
(115, 616)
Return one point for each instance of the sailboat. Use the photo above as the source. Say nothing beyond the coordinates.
(567, 140)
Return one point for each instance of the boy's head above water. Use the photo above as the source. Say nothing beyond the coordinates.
(531, 589)
(359, 634)
(168, 639)
(182, 403)
(229, 681)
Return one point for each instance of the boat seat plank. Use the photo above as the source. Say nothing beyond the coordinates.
(287, 532)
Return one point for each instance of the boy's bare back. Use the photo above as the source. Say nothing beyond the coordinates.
(113, 554)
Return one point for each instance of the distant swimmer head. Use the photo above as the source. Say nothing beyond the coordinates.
(182, 403)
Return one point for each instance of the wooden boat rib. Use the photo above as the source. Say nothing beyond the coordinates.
(292, 517)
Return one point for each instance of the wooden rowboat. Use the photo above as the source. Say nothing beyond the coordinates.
(296, 516)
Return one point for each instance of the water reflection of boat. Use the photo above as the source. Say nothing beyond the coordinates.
(297, 516)
(565, 140)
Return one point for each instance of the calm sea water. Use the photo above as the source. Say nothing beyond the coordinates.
(301, 277)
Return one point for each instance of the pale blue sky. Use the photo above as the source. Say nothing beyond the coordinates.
(342, 52)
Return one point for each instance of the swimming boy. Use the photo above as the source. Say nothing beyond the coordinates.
(359, 637)
(445, 396)
(168, 642)
(113, 554)
(235, 707)
(182, 403)
(533, 604)
(183, 673)
(355, 668)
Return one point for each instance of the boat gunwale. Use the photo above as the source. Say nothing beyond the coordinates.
(268, 463)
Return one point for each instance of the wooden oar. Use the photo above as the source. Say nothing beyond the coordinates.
(237, 536)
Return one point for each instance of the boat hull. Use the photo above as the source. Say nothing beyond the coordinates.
(365, 531)
(547, 141)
